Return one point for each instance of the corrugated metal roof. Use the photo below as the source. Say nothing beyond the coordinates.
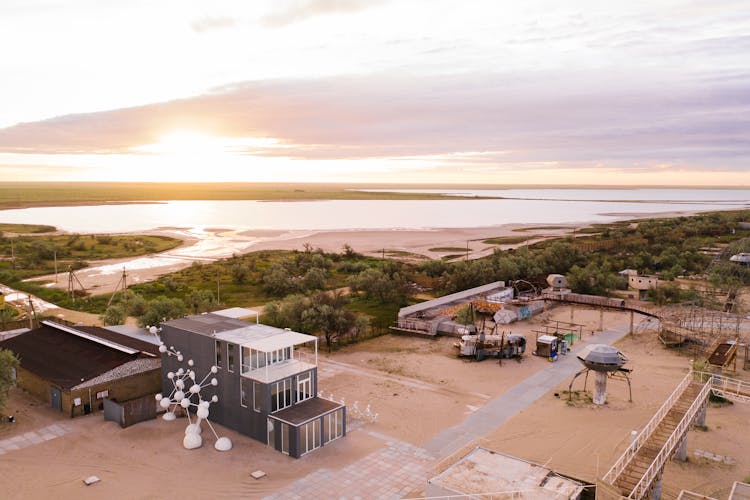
(62, 358)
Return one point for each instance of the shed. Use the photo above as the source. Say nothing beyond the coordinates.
(557, 281)
(546, 346)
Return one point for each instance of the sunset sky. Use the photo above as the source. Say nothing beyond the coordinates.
(532, 92)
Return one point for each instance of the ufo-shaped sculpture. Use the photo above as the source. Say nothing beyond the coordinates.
(601, 358)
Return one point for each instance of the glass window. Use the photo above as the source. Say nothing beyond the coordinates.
(281, 394)
(218, 354)
(243, 391)
(309, 436)
(256, 397)
(230, 357)
(333, 426)
(285, 438)
(245, 360)
(304, 387)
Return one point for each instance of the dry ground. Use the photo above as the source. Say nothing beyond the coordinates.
(418, 387)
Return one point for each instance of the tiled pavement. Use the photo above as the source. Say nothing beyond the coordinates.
(32, 437)
(388, 473)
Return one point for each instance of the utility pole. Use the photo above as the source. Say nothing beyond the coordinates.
(55, 265)
(13, 255)
(218, 286)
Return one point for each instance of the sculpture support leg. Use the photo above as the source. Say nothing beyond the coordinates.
(600, 388)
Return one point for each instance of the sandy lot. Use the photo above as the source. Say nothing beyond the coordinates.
(418, 387)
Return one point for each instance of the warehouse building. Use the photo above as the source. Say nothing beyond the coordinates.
(75, 368)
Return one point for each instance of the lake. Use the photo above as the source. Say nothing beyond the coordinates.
(517, 206)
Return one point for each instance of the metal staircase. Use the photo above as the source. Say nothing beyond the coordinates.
(635, 472)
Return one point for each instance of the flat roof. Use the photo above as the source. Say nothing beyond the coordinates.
(206, 324)
(305, 411)
(487, 471)
(236, 312)
(264, 338)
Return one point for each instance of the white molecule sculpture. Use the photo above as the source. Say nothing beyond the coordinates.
(185, 390)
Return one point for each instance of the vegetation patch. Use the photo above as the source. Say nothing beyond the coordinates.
(541, 228)
(510, 240)
(449, 249)
(26, 228)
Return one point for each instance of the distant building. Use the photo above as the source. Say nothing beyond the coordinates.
(486, 472)
(267, 386)
(642, 284)
(741, 258)
(74, 369)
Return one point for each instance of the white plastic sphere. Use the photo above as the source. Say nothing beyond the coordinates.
(223, 444)
(214, 369)
(180, 384)
(195, 388)
(185, 403)
(153, 330)
(179, 357)
(169, 416)
(164, 403)
(215, 399)
(202, 412)
(162, 348)
(204, 404)
(170, 375)
(190, 362)
(214, 382)
(158, 397)
(181, 372)
(192, 374)
(179, 396)
(192, 441)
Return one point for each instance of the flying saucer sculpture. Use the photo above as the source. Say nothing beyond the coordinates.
(601, 359)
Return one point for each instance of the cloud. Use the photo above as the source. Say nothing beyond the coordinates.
(208, 23)
(297, 11)
(490, 119)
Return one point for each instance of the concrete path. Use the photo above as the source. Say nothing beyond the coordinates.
(496, 412)
(33, 437)
(388, 473)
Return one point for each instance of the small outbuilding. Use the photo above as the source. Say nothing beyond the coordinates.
(74, 369)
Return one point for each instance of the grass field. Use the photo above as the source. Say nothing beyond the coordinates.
(448, 249)
(510, 240)
(28, 194)
(26, 228)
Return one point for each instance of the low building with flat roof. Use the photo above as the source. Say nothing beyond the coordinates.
(484, 472)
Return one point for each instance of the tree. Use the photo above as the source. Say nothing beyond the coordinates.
(162, 309)
(8, 364)
(114, 315)
(327, 315)
(199, 301)
(278, 282)
(7, 313)
(315, 279)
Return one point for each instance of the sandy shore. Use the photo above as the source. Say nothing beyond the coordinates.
(205, 245)
(419, 388)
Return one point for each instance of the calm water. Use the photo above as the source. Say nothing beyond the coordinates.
(527, 206)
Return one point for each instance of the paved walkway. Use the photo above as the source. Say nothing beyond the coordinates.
(33, 437)
(388, 473)
(496, 412)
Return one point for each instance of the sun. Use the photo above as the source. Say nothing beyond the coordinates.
(188, 155)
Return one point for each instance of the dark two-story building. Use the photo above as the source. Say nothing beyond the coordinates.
(268, 380)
